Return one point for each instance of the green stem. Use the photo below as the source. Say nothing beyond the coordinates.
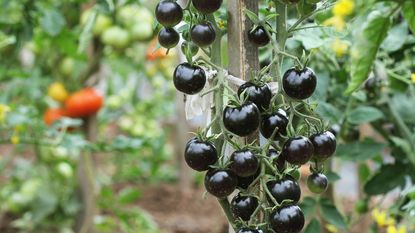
(224, 203)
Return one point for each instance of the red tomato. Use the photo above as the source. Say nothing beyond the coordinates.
(84, 103)
(153, 53)
(53, 114)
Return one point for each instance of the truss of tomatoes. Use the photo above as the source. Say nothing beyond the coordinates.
(252, 110)
(80, 104)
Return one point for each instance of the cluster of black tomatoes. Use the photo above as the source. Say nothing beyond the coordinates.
(244, 165)
(243, 118)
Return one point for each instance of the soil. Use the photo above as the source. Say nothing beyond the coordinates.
(176, 211)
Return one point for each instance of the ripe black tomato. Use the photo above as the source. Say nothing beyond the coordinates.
(244, 182)
(207, 6)
(244, 163)
(248, 230)
(298, 150)
(203, 34)
(258, 36)
(169, 13)
(242, 120)
(299, 84)
(259, 95)
(286, 188)
(220, 183)
(243, 206)
(271, 122)
(189, 79)
(287, 219)
(324, 145)
(317, 183)
(277, 159)
(168, 37)
(200, 155)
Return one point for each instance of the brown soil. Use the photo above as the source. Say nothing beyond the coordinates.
(183, 212)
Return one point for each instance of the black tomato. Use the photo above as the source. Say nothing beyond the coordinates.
(286, 188)
(189, 79)
(220, 183)
(207, 6)
(277, 159)
(324, 145)
(168, 37)
(258, 36)
(248, 230)
(242, 120)
(271, 122)
(169, 13)
(244, 163)
(243, 206)
(203, 34)
(317, 183)
(244, 182)
(287, 219)
(200, 155)
(259, 95)
(298, 150)
(299, 84)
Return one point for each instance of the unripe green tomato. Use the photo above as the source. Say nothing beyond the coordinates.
(30, 188)
(60, 152)
(65, 169)
(114, 101)
(126, 123)
(116, 36)
(66, 66)
(102, 22)
(361, 206)
(141, 31)
(130, 14)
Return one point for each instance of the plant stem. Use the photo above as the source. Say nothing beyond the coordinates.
(224, 203)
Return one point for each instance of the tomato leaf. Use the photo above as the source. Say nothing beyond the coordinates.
(408, 9)
(313, 227)
(52, 22)
(363, 52)
(396, 37)
(308, 206)
(331, 214)
(359, 151)
(363, 114)
(388, 177)
(328, 112)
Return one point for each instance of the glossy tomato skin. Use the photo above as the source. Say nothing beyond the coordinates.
(248, 230)
(244, 182)
(259, 95)
(244, 163)
(270, 122)
(199, 155)
(298, 150)
(168, 37)
(299, 84)
(53, 114)
(317, 183)
(189, 79)
(324, 145)
(258, 36)
(243, 206)
(83, 103)
(220, 183)
(203, 34)
(286, 188)
(207, 6)
(287, 219)
(277, 159)
(243, 120)
(169, 13)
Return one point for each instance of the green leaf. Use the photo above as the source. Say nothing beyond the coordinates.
(331, 214)
(313, 227)
(408, 10)
(87, 33)
(367, 43)
(363, 114)
(308, 206)
(363, 172)
(332, 176)
(396, 37)
(252, 16)
(359, 151)
(328, 112)
(52, 21)
(128, 195)
(388, 177)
